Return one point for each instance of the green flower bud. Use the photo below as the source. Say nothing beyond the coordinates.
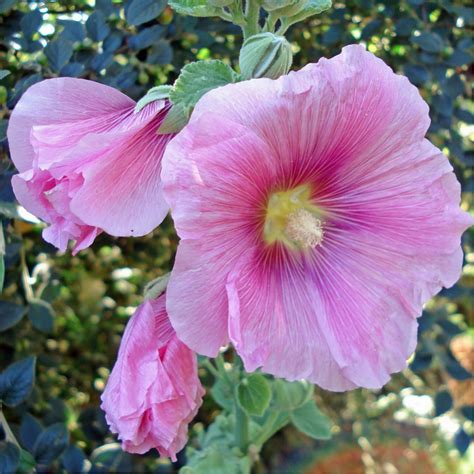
(265, 55)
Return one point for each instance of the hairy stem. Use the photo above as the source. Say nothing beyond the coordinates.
(241, 427)
(271, 22)
(252, 15)
(210, 366)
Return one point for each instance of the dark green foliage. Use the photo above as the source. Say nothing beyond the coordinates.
(16, 381)
(50, 444)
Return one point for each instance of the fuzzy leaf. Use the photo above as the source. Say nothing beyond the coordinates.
(312, 422)
(254, 394)
(198, 78)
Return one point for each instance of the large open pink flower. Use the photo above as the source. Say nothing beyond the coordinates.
(153, 391)
(315, 221)
(87, 162)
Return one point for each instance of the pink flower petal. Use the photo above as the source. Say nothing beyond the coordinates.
(153, 391)
(343, 313)
(66, 100)
(90, 164)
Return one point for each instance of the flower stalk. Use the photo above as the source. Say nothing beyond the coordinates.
(241, 427)
(252, 15)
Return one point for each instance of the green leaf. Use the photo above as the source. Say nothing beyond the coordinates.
(97, 27)
(141, 11)
(429, 42)
(194, 8)
(41, 315)
(198, 78)
(272, 5)
(30, 23)
(313, 7)
(222, 393)
(16, 381)
(10, 314)
(217, 458)
(30, 429)
(73, 459)
(58, 52)
(50, 444)
(176, 119)
(291, 395)
(9, 457)
(281, 8)
(254, 394)
(155, 93)
(311, 421)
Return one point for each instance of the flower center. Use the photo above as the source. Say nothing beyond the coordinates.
(292, 219)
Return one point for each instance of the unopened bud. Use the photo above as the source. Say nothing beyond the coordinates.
(265, 55)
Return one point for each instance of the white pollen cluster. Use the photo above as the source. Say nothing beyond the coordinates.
(304, 229)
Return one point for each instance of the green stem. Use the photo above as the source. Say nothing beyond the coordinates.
(284, 25)
(252, 15)
(267, 430)
(222, 371)
(241, 427)
(226, 16)
(237, 14)
(271, 22)
(209, 366)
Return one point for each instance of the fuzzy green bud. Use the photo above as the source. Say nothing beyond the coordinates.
(265, 55)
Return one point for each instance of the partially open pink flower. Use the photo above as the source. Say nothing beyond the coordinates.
(87, 162)
(315, 221)
(153, 391)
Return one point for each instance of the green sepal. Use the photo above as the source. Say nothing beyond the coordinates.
(176, 119)
(155, 93)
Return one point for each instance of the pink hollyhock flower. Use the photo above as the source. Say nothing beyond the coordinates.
(87, 162)
(153, 391)
(316, 220)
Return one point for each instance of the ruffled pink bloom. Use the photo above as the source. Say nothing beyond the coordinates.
(153, 391)
(316, 220)
(87, 162)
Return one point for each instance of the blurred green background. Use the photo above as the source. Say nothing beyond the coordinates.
(70, 312)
